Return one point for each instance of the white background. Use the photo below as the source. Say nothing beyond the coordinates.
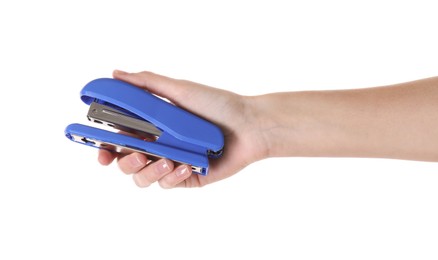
(57, 202)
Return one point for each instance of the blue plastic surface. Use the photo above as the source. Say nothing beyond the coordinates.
(185, 137)
(173, 120)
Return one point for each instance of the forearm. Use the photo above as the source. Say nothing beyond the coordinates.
(399, 121)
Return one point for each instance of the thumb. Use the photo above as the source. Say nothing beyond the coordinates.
(162, 86)
(196, 98)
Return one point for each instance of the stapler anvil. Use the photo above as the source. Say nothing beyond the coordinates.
(151, 125)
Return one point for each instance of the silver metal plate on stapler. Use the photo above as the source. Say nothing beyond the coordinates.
(112, 117)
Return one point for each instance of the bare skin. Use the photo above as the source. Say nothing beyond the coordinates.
(398, 121)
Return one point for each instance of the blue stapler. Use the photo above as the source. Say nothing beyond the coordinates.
(145, 123)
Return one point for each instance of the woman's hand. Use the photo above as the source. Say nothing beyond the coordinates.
(244, 143)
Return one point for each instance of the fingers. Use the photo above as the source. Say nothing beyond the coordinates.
(133, 163)
(162, 171)
(153, 172)
(177, 176)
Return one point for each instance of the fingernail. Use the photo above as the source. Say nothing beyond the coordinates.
(120, 72)
(162, 166)
(137, 161)
(182, 170)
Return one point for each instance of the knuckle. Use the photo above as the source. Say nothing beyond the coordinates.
(140, 181)
(164, 184)
(125, 170)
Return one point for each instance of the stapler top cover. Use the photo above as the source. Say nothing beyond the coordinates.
(179, 128)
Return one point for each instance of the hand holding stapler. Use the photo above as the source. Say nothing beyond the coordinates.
(162, 129)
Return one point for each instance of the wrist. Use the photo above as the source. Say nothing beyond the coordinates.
(272, 117)
(291, 124)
